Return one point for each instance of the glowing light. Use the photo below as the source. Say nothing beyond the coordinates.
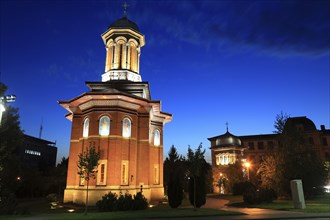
(247, 164)
(71, 210)
(18, 178)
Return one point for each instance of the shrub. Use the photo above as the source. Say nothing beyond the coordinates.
(266, 195)
(250, 196)
(139, 202)
(241, 187)
(8, 202)
(51, 197)
(108, 202)
(111, 202)
(124, 202)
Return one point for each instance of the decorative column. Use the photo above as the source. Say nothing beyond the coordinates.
(123, 55)
(128, 60)
(138, 50)
(114, 56)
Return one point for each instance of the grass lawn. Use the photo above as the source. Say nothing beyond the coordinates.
(40, 209)
(319, 204)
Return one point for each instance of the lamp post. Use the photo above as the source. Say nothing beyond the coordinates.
(3, 100)
(247, 166)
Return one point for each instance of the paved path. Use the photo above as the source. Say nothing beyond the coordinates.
(257, 213)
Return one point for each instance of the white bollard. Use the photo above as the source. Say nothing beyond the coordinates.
(297, 194)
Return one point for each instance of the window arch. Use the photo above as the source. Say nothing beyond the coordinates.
(104, 126)
(86, 128)
(156, 137)
(127, 128)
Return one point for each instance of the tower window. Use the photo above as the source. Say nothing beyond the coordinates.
(86, 128)
(124, 172)
(156, 138)
(104, 126)
(126, 128)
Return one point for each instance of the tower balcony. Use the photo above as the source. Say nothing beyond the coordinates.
(121, 75)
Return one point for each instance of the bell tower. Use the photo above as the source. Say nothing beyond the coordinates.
(123, 42)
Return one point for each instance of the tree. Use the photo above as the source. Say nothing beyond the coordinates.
(197, 169)
(234, 174)
(87, 165)
(293, 159)
(11, 137)
(280, 121)
(175, 169)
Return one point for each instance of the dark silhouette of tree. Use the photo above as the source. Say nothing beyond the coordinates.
(295, 158)
(197, 170)
(87, 165)
(280, 121)
(174, 166)
(11, 137)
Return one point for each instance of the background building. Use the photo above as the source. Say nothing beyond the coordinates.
(119, 117)
(254, 147)
(38, 153)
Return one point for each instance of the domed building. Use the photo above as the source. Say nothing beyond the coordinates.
(120, 119)
(226, 149)
(250, 149)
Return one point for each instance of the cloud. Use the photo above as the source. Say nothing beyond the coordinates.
(295, 27)
(278, 27)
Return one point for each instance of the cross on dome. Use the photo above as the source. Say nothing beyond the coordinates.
(125, 6)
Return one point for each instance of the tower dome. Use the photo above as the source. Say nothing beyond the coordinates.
(227, 140)
(123, 23)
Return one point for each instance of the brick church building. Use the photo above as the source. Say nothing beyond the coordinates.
(119, 117)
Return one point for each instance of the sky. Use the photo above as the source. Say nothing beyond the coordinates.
(208, 61)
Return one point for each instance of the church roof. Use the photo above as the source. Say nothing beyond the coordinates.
(124, 22)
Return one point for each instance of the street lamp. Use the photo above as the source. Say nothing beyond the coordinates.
(247, 166)
(3, 100)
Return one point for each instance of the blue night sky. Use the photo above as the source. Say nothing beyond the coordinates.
(210, 62)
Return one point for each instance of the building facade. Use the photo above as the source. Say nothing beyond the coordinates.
(254, 147)
(38, 153)
(119, 117)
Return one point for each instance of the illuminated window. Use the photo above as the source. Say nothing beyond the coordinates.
(126, 128)
(156, 174)
(86, 128)
(225, 159)
(104, 126)
(156, 138)
(124, 172)
(81, 181)
(102, 172)
(33, 152)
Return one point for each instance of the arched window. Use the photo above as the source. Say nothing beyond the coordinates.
(156, 137)
(104, 126)
(86, 128)
(126, 128)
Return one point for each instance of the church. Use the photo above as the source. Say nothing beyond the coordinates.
(121, 120)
